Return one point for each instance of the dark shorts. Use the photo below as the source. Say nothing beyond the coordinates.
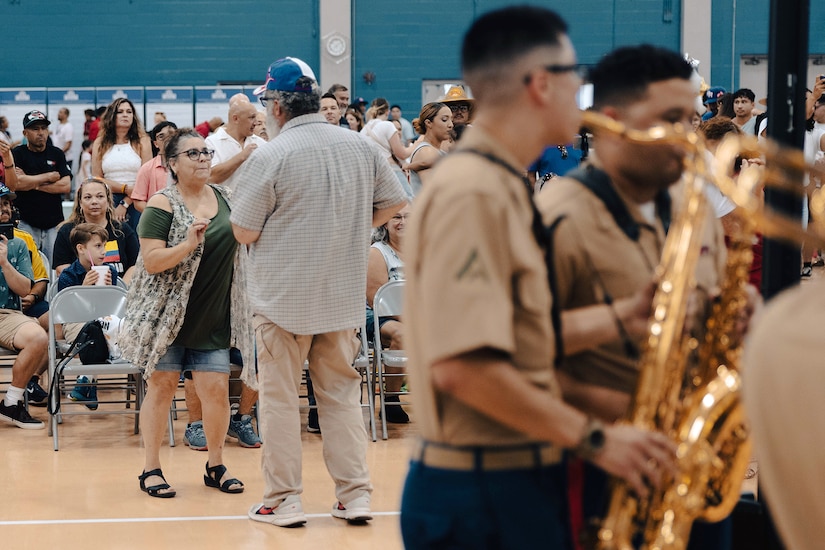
(371, 323)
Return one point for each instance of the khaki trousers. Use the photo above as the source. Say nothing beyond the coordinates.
(337, 384)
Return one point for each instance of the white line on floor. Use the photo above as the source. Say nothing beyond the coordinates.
(152, 520)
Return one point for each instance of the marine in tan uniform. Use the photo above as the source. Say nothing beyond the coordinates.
(610, 219)
(487, 472)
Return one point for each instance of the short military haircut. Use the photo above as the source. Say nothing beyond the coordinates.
(743, 92)
(502, 36)
(623, 75)
(329, 96)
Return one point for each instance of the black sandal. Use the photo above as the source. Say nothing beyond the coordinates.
(154, 490)
(215, 474)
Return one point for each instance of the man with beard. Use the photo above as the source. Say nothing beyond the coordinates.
(305, 203)
(42, 177)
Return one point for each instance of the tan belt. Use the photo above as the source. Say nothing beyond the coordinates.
(520, 457)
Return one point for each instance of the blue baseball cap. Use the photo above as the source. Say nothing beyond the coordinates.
(713, 94)
(283, 76)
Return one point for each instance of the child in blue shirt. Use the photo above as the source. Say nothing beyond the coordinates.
(89, 243)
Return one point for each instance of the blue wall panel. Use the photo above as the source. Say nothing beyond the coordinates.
(152, 42)
(742, 27)
(404, 43)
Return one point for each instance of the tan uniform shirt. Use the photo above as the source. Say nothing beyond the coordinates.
(595, 258)
(475, 279)
(783, 380)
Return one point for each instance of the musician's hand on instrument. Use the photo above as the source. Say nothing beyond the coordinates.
(639, 457)
(634, 311)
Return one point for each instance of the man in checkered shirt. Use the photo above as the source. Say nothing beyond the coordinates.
(305, 203)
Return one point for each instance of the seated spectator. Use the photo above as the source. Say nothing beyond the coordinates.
(93, 204)
(88, 241)
(19, 332)
(386, 264)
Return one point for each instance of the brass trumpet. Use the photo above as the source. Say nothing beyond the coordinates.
(689, 386)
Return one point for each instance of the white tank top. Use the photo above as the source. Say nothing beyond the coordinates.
(121, 164)
(395, 267)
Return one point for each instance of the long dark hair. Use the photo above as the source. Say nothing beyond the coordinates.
(108, 134)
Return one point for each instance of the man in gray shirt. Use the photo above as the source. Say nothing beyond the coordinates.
(305, 203)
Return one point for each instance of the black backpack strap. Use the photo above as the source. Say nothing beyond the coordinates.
(555, 310)
(598, 182)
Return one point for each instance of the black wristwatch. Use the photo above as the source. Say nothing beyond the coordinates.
(123, 203)
(592, 440)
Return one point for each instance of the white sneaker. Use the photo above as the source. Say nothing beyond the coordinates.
(357, 511)
(289, 513)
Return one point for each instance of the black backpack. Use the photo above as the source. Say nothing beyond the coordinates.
(91, 344)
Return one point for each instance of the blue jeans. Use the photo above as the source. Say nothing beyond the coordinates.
(503, 509)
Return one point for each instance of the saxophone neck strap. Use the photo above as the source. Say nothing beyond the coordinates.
(598, 182)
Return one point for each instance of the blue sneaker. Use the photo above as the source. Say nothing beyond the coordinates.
(195, 437)
(86, 391)
(37, 396)
(243, 431)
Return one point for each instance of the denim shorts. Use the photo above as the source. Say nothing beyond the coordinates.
(179, 358)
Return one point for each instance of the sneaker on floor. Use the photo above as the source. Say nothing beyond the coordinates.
(357, 511)
(243, 431)
(37, 396)
(395, 414)
(85, 391)
(288, 513)
(195, 437)
(312, 422)
(19, 416)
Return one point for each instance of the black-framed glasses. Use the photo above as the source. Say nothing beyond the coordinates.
(195, 154)
(265, 101)
(578, 68)
(463, 108)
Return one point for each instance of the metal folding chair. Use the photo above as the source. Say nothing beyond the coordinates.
(388, 302)
(79, 304)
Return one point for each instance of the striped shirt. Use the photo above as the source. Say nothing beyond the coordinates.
(311, 192)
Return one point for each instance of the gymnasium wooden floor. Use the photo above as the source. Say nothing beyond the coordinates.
(86, 495)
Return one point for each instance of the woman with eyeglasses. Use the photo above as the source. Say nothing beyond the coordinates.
(386, 263)
(118, 153)
(187, 306)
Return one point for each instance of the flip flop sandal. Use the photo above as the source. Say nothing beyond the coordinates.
(215, 474)
(155, 490)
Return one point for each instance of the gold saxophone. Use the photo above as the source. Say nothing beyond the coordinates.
(689, 386)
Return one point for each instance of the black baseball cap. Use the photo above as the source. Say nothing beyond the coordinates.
(35, 117)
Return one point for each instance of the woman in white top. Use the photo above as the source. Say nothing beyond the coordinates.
(386, 264)
(434, 124)
(117, 155)
(384, 134)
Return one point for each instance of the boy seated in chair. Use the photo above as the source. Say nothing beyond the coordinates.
(89, 243)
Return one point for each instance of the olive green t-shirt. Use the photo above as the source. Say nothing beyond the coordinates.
(206, 326)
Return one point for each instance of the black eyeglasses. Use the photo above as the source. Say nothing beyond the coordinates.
(460, 108)
(195, 154)
(580, 70)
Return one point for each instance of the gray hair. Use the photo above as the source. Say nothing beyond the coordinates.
(380, 235)
(296, 104)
